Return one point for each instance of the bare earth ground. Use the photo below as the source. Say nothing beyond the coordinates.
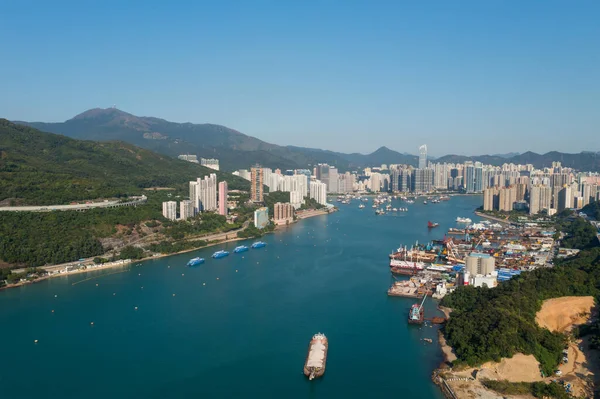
(559, 314)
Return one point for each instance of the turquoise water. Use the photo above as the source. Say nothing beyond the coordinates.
(243, 334)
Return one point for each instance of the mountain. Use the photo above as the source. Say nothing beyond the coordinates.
(234, 150)
(45, 168)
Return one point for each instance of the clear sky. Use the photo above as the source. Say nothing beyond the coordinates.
(466, 77)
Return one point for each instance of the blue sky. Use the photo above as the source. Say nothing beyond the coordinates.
(466, 77)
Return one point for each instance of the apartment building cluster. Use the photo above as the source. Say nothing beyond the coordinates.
(299, 183)
(548, 190)
(206, 195)
(211, 163)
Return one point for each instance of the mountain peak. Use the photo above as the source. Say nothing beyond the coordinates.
(101, 112)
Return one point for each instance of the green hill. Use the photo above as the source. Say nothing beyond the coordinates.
(44, 168)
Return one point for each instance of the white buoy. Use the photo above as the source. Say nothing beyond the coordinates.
(142, 288)
(35, 341)
(92, 323)
(236, 270)
(96, 284)
(173, 294)
(169, 267)
(203, 283)
(55, 296)
(114, 293)
(135, 308)
(139, 274)
(182, 274)
(52, 310)
(217, 278)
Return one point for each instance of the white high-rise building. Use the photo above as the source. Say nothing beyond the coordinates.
(203, 193)
(210, 163)
(423, 156)
(440, 176)
(318, 191)
(375, 182)
(186, 209)
(169, 210)
(296, 199)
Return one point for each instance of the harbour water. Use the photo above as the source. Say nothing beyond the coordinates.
(237, 326)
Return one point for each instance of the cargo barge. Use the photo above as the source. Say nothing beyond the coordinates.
(316, 358)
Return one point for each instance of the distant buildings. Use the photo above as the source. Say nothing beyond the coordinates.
(256, 184)
(210, 163)
(189, 158)
(261, 217)
(283, 213)
(223, 198)
(203, 193)
(169, 210)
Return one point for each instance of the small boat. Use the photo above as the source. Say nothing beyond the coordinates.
(220, 254)
(463, 220)
(431, 225)
(424, 202)
(316, 358)
(259, 244)
(395, 210)
(241, 248)
(361, 206)
(380, 212)
(195, 262)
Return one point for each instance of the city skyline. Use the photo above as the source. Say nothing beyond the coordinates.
(395, 73)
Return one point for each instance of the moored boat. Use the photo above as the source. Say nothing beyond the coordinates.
(431, 225)
(316, 358)
(241, 248)
(259, 244)
(220, 254)
(195, 262)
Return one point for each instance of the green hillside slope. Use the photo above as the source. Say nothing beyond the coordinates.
(44, 168)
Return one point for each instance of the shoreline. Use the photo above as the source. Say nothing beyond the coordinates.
(317, 212)
(494, 218)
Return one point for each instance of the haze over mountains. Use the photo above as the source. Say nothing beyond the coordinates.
(236, 150)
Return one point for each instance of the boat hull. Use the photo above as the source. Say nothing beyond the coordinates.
(311, 372)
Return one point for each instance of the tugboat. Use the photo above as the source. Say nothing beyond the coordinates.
(195, 262)
(316, 358)
(259, 244)
(241, 248)
(431, 225)
(220, 254)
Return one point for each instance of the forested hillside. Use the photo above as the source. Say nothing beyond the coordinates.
(43, 168)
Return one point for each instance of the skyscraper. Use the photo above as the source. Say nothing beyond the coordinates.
(565, 199)
(491, 199)
(332, 186)
(478, 183)
(203, 193)
(186, 209)
(169, 210)
(540, 198)
(318, 192)
(469, 182)
(256, 185)
(422, 180)
(423, 156)
(223, 198)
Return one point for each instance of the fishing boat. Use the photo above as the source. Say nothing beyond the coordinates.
(241, 248)
(195, 262)
(316, 358)
(431, 225)
(220, 254)
(259, 244)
